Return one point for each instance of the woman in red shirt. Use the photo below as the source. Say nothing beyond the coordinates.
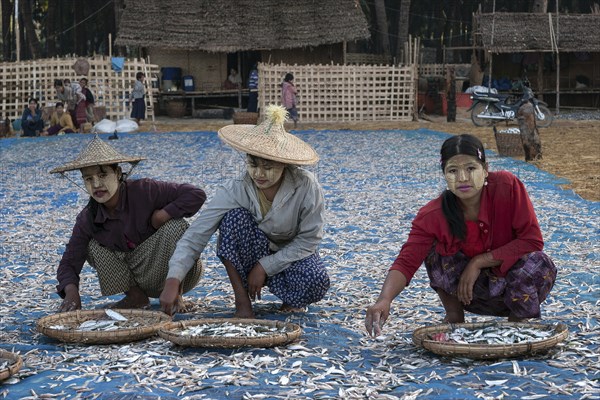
(480, 241)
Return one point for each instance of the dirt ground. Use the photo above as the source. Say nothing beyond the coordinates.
(571, 149)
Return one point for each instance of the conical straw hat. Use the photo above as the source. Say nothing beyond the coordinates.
(269, 140)
(97, 152)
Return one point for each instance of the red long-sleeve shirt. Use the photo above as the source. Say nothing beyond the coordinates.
(508, 227)
(130, 225)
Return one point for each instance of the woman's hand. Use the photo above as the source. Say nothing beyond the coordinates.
(159, 218)
(467, 282)
(256, 280)
(72, 300)
(377, 314)
(169, 296)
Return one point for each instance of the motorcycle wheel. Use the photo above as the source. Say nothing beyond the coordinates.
(480, 108)
(548, 117)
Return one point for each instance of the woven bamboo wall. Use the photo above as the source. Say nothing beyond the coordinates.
(329, 93)
(25, 79)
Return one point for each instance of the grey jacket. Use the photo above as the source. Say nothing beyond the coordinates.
(294, 225)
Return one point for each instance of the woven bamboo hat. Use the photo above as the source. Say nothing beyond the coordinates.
(97, 152)
(269, 140)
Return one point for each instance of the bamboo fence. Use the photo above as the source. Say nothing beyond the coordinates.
(35, 78)
(331, 93)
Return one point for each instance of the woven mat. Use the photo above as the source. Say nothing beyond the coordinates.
(422, 338)
(286, 332)
(149, 322)
(17, 363)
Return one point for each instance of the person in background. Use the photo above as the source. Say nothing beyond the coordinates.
(270, 222)
(480, 242)
(77, 101)
(60, 121)
(31, 120)
(253, 89)
(234, 80)
(288, 97)
(65, 95)
(138, 108)
(127, 232)
(89, 100)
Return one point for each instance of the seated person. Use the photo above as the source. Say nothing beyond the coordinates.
(127, 232)
(60, 121)
(233, 81)
(270, 222)
(31, 121)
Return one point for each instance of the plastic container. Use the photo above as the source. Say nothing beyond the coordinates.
(188, 83)
(171, 78)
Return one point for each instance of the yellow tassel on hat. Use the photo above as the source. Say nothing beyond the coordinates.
(276, 114)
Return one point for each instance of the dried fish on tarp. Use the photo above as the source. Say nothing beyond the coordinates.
(494, 334)
(227, 329)
(115, 321)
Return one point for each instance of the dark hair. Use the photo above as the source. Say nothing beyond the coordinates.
(33, 99)
(59, 104)
(139, 75)
(288, 77)
(461, 144)
(58, 82)
(84, 79)
(92, 204)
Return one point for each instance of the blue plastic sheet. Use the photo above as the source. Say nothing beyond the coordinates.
(374, 184)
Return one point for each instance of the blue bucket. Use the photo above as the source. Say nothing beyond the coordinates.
(171, 74)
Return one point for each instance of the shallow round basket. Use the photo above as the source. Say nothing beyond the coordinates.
(172, 332)
(151, 322)
(509, 144)
(12, 369)
(422, 337)
(245, 118)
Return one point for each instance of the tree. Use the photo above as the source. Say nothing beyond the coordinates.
(31, 37)
(403, 25)
(382, 27)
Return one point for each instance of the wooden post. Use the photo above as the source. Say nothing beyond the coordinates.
(530, 135)
(450, 94)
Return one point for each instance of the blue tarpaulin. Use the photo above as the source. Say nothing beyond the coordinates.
(374, 184)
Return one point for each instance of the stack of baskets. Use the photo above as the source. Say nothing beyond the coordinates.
(509, 142)
(245, 118)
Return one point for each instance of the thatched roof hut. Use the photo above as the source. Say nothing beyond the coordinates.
(523, 32)
(240, 25)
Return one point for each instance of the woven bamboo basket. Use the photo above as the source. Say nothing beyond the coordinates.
(422, 338)
(151, 322)
(172, 332)
(13, 368)
(245, 118)
(509, 144)
(176, 108)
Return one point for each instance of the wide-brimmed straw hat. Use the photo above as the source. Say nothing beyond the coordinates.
(97, 152)
(269, 140)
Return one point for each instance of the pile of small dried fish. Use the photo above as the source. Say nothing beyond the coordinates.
(227, 329)
(115, 322)
(493, 334)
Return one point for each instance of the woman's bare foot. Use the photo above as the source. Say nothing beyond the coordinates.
(454, 318)
(243, 310)
(286, 308)
(134, 298)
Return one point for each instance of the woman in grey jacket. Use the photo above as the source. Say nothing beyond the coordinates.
(270, 222)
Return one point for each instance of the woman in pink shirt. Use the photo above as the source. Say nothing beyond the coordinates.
(480, 242)
(288, 97)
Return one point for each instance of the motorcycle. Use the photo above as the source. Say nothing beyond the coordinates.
(488, 108)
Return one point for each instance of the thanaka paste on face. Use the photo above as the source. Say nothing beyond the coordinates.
(267, 173)
(101, 182)
(464, 170)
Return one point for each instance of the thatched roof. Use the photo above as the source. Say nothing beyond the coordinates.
(519, 32)
(238, 25)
